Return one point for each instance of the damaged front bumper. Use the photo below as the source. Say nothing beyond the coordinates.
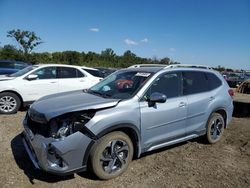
(58, 156)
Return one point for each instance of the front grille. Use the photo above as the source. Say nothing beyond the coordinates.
(38, 128)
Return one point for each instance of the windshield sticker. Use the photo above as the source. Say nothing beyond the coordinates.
(144, 74)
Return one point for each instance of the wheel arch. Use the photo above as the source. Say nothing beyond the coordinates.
(223, 113)
(131, 130)
(16, 93)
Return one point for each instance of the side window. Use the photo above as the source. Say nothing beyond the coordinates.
(194, 82)
(67, 72)
(79, 74)
(213, 81)
(168, 84)
(46, 73)
(96, 73)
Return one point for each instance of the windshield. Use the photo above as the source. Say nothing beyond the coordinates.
(23, 71)
(121, 84)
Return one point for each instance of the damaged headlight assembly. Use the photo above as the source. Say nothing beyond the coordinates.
(67, 124)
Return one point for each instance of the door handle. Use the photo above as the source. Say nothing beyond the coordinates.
(82, 80)
(211, 98)
(53, 82)
(182, 104)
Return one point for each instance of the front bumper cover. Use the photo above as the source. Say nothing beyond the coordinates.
(57, 156)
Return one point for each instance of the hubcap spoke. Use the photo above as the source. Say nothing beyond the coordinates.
(123, 148)
(111, 166)
(121, 160)
(113, 143)
(214, 134)
(106, 158)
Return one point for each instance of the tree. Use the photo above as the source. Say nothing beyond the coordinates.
(11, 53)
(26, 39)
(165, 60)
(108, 54)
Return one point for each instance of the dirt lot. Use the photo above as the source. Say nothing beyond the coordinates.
(191, 164)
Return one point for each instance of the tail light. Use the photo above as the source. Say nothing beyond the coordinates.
(231, 92)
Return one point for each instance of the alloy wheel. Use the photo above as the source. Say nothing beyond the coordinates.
(7, 104)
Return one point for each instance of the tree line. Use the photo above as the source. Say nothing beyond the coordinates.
(28, 40)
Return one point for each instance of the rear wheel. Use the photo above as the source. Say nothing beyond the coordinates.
(215, 128)
(9, 103)
(111, 155)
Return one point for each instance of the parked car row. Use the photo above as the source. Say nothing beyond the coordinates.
(130, 112)
(235, 79)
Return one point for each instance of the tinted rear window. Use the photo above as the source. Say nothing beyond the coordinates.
(213, 81)
(194, 82)
(95, 73)
(68, 72)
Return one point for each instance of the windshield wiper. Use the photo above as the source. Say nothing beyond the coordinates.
(104, 95)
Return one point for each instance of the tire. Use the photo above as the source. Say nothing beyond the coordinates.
(111, 155)
(215, 128)
(9, 103)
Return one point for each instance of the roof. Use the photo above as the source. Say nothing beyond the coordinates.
(89, 68)
(158, 67)
(145, 69)
(63, 65)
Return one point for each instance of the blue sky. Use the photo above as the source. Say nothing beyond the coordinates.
(211, 32)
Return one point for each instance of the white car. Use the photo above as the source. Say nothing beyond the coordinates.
(24, 87)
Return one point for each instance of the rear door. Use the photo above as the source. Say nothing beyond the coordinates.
(164, 121)
(71, 79)
(196, 90)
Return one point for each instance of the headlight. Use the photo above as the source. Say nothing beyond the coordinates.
(36, 116)
(68, 124)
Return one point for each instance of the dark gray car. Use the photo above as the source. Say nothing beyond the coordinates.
(130, 112)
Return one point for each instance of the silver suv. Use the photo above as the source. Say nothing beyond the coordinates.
(130, 112)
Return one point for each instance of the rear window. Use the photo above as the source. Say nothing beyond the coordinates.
(68, 72)
(194, 82)
(95, 73)
(213, 81)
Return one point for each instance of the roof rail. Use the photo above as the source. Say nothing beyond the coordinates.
(147, 65)
(188, 66)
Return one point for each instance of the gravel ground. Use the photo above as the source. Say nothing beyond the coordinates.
(190, 164)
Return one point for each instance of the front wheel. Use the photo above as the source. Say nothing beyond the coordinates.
(215, 128)
(111, 155)
(9, 103)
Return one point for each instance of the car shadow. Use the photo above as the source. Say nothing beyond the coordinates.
(24, 163)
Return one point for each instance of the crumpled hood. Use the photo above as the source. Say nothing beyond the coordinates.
(4, 78)
(57, 104)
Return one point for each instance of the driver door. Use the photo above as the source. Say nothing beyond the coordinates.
(45, 84)
(163, 122)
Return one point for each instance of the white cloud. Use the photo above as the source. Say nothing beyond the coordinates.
(144, 40)
(130, 42)
(172, 49)
(94, 29)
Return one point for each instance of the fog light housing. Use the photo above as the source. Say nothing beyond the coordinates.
(54, 159)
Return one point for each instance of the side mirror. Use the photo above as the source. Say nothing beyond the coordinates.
(157, 97)
(32, 77)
